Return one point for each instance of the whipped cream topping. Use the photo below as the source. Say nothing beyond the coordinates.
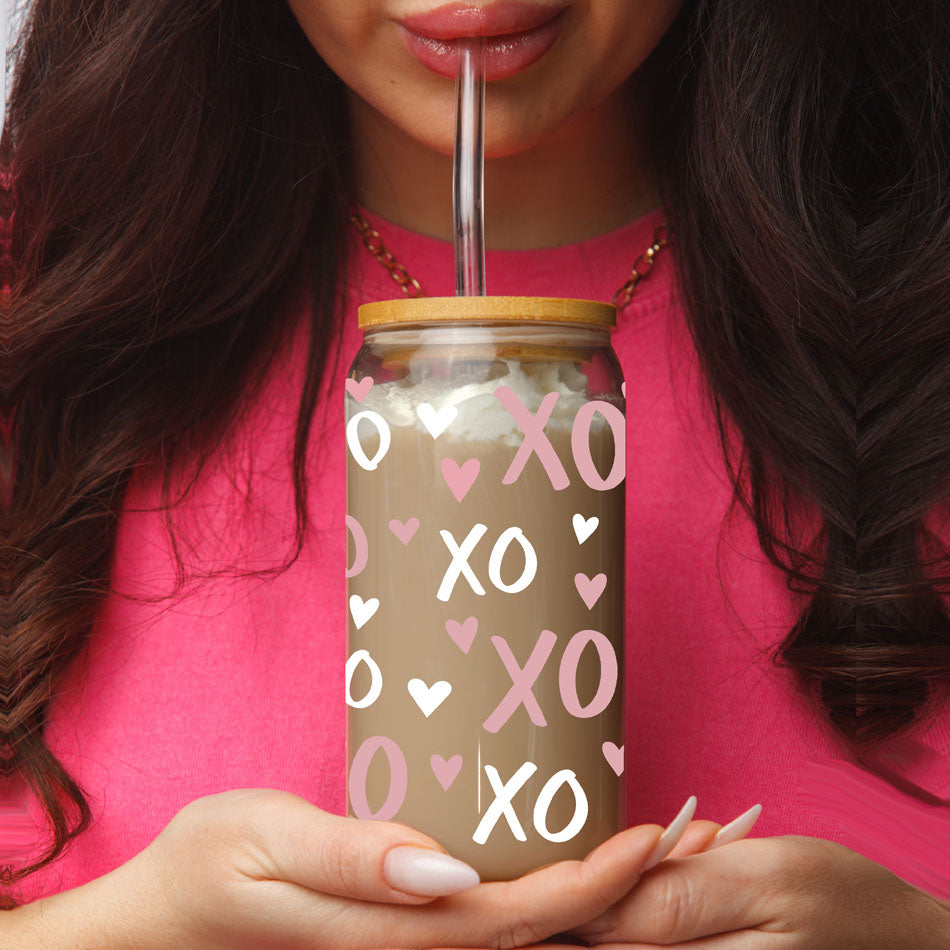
(481, 416)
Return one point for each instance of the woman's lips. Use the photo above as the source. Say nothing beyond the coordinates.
(505, 53)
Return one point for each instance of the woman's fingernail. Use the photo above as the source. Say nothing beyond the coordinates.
(427, 873)
(736, 829)
(672, 835)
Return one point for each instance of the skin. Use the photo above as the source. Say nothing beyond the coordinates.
(260, 869)
(782, 893)
(256, 869)
(565, 127)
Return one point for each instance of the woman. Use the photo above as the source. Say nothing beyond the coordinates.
(187, 267)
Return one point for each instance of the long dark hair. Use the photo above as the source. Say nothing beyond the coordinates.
(180, 173)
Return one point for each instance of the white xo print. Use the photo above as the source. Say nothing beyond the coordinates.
(459, 566)
(362, 610)
(584, 527)
(429, 698)
(502, 806)
(435, 420)
(376, 679)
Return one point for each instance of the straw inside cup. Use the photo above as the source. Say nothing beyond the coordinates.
(469, 164)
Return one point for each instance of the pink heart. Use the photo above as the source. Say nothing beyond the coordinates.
(462, 633)
(444, 771)
(358, 390)
(590, 588)
(460, 478)
(404, 530)
(614, 756)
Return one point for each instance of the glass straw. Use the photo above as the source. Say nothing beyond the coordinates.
(467, 184)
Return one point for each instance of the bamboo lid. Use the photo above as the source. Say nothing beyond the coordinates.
(590, 313)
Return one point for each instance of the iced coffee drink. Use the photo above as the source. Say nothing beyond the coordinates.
(485, 515)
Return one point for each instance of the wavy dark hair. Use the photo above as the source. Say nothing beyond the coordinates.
(180, 171)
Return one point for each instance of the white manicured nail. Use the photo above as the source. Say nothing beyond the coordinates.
(736, 829)
(674, 831)
(427, 873)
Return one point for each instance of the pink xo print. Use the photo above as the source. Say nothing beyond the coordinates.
(590, 588)
(462, 633)
(445, 770)
(404, 530)
(523, 678)
(614, 756)
(360, 545)
(398, 778)
(359, 389)
(460, 478)
(535, 442)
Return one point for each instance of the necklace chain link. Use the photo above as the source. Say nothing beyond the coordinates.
(412, 288)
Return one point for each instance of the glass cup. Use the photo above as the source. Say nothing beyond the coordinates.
(485, 576)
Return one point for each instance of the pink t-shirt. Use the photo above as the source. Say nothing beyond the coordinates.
(238, 680)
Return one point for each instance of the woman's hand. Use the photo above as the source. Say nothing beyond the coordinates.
(262, 869)
(784, 893)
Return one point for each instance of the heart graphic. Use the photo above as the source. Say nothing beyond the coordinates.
(623, 388)
(404, 530)
(435, 420)
(585, 527)
(460, 478)
(361, 611)
(429, 698)
(462, 633)
(614, 756)
(358, 390)
(446, 771)
(590, 588)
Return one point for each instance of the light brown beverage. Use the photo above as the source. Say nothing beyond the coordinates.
(566, 711)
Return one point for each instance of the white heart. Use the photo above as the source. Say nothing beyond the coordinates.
(361, 611)
(436, 421)
(585, 527)
(429, 698)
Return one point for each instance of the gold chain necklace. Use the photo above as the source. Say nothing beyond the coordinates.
(411, 287)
